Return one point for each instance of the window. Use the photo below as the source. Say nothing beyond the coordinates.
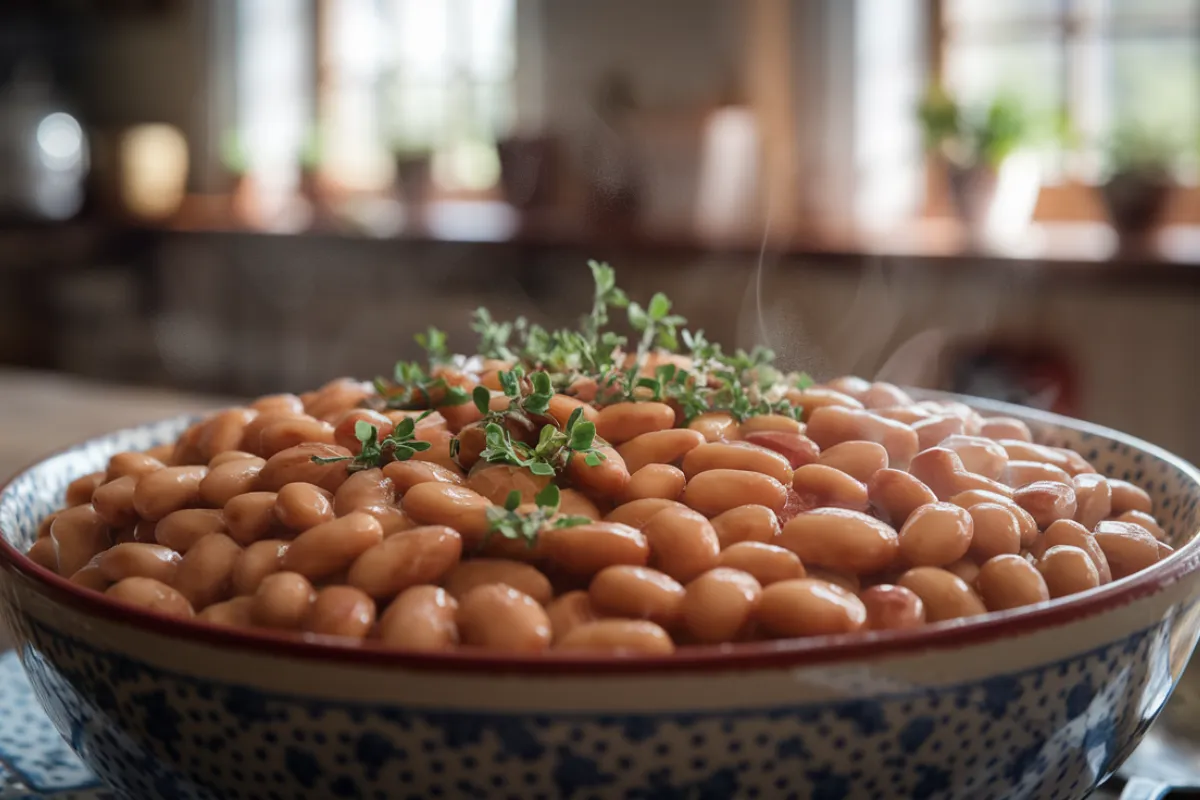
(1110, 65)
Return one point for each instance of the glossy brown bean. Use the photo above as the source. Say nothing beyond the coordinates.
(832, 425)
(80, 490)
(288, 433)
(1093, 499)
(1022, 473)
(113, 501)
(282, 601)
(205, 574)
(336, 396)
(655, 481)
(233, 613)
(260, 559)
(475, 572)
(719, 604)
(340, 611)
(796, 448)
(820, 486)
(1136, 517)
(617, 637)
(978, 454)
(569, 611)
(572, 502)
(944, 594)
(607, 478)
(850, 582)
(841, 540)
(1067, 570)
(151, 595)
(43, 529)
(814, 397)
(345, 429)
(1127, 497)
(736, 456)
(223, 431)
(296, 465)
(42, 553)
(1006, 428)
(496, 481)
(406, 474)
(1047, 501)
(620, 422)
(659, 447)
(718, 490)
(996, 531)
(1128, 547)
(134, 559)
(563, 406)
(715, 426)
(935, 535)
(1008, 581)
(637, 513)
(851, 385)
(1026, 522)
(364, 489)
(250, 517)
(187, 449)
(300, 506)
(180, 530)
(79, 534)
(682, 542)
(230, 479)
(768, 563)
(251, 441)
(90, 577)
(421, 619)
(892, 608)
(163, 453)
(131, 464)
(418, 556)
(584, 550)
(333, 546)
(1028, 451)
(746, 523)
(636, 593)
(169, 489)
(285, 402)
(939, 469)
(894, 495)
(1072, 534)
(498, 617)
(808, 607)
(455, 507)
(932, 431)
(859, 460)
(778, 423)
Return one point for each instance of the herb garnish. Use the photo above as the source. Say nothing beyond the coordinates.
(552, 453)
(400, 445)
(512, 524)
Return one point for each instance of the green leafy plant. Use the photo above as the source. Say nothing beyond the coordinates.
(972, 137)
(510, 523)
(554, 450)
(1136, 150)
(399, 445)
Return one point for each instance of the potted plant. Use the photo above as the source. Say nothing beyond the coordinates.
(1138, 183)
(414, 168)
(975, 147)
(243, 193)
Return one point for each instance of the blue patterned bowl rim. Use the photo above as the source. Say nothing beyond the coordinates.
(741, 656)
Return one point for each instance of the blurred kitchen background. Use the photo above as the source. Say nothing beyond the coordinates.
(243, 196)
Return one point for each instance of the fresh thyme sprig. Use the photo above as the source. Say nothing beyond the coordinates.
(552, 453)
(399, 445)
(411, 387)
(512, 524)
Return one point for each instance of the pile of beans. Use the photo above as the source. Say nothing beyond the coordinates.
(875, 513)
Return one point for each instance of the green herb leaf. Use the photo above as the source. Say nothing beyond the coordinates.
(548, 498)
(482, 398)
(433, 342)
(582, 436)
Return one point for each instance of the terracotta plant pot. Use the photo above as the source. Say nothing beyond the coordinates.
(1136, 201)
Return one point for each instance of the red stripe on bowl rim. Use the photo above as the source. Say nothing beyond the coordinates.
(779, 654)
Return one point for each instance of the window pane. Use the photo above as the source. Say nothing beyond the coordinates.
(1173, 10)
(978, 16)
(1030, 71)
(421, 37)
(1156, 86)
(490, 56)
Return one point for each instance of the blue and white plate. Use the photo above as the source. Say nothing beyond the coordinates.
(35, 762)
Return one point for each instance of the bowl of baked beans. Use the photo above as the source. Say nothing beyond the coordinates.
(577, 564)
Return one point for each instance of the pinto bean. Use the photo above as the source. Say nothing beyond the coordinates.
(819, 486)
(719, 604)
(406, 474)
(498, 617)
(422, 619)
(621, 422)
(768, 563)
(894, 495)
(1069, 533)
(748, 523)
(808, 607)
(892, 608)
(1009, 581)
(1093, 497)
(718, 490)
(455, 507)
(1127, 497)
(841, 540)
(655, 480)
(682, 542)
(944, 594)
(296, 465)
(157, 494)
(1067, 570)
(410, 558)
(659, 447)
(1047, 501)
(1128, 547)
(859, 460)
(636, 593)
(832, 425)
(936, 534)
(736, 456)
(716, 426)
(584, 550)
(796, 448)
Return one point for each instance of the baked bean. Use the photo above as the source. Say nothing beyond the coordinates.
(282, 601)
(340, 611)
(608, 478)
(468, 575)
(1128, 547)
(932, 431)
(682, 542)
(80, 490)
(205, 574)
(936, 535)
(576, 504)
(882, 395)
(859, 460)
(617, 637)
(1146, 521)
(1022, 473)
(655, 480)
(1028, 451)
(79, 534)
(978, 454)
(180, 530)
(964, 568)
(367, 488)
(944, 594)
(715, 426)
(1127, 497)
(293, 431)
(406, 474)
(841, 540)
(345, 430)
(43, 554)
(90, 577)
(621, 422)
(819, 486)
(1009, 581)
(223, 431)
(796, 448)
(1069, 533)
(131, 464)
(332, 546)
(636, 593)
(136, 560)
(233, 613)
(113, 501)
(1093, 499)
(584, 550)
(851, 583)
(568, 611)
(808, 607)
(44, 526)
(762, 423)
(831, 425)
(251, 441)
(659, 447)
(227, 481)
(939, 469)
(739, 456)
(296, 465)
(169, 489)
(163, 453)
(892, 608)
(498, 617)
(250, 517)
(285, 402)
(420, 619)
(562, 406)
(455, 507)
(637, 513)
(996, 531)
(906, 414)
(410, 558)
(973, 497)
(768, 563)
(496, 481)
(852, 385)
(718, 490)
(337, 396)
(1047, 501)
(1005, 428)
(300, 506)
(1067, 570)
(256, 562)
(229, 455)
(719, 604)
(747, 523)
(187, 447)
(153, 595)
(814, 397)
(894, 495)
(391, 518)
